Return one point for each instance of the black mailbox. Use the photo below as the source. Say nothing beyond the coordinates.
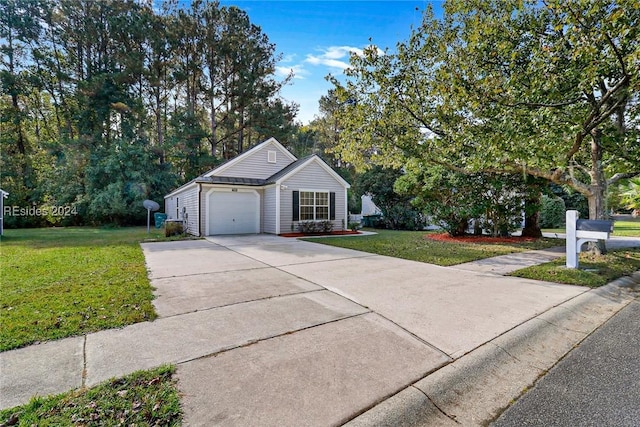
(601, 225)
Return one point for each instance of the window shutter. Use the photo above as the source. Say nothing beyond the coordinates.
(332, 205)
(296, 206)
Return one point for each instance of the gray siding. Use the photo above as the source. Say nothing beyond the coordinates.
(256, 164)
(311, 177)
(187, 198)
(269, 210)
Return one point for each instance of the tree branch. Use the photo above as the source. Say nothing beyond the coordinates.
(617, 177)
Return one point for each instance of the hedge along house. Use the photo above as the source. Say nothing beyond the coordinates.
(263, 190)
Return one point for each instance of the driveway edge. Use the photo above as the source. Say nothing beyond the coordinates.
(477, 387)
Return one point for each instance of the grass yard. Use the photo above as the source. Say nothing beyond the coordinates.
(144, 398)
(414, 246)
(60, 282)
(594, 270)
(628, 228)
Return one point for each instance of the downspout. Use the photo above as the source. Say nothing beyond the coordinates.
(346, 208)
(199, 211)
(278, 209)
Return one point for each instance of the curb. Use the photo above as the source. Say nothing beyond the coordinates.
(476, 388)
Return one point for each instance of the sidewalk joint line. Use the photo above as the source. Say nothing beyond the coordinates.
(334, 291)
(259, 340)
(506, 351)
(451, 417)
(215, 272)
(244, 302)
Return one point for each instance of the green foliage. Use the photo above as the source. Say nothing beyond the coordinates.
(315, 227)
(110, 102)
(552, 212)
(572, 199)
(630, 196)
(173, 228)
(543, 89)
(141, 398)
(452, 199)
(398, 213)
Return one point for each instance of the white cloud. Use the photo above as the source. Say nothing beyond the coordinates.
(336, 56)
(299, 71)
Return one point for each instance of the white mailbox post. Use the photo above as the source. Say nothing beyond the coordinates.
(581, 231)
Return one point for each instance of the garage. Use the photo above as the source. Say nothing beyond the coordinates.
(235, 211)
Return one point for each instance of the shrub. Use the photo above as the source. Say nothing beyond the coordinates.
(314, 227)
(171, 228)
(354, 226)
(552, 212)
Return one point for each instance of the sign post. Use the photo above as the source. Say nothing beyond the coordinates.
(572, 242)
(150, 205)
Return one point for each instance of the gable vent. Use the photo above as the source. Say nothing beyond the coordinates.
(271, 156)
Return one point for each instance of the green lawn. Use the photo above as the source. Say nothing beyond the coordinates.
(144, 398)
(594, 271)
(60, 282)
(414, 246)
(630, 228)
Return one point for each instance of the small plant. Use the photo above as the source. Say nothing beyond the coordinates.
(172, 228)
(315, 227)
(354, 226)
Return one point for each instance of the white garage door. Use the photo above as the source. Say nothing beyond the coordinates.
(234, 212)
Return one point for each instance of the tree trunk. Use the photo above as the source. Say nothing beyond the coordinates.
(214, 138)
(532, 219)
(598, 188)
(241, 134)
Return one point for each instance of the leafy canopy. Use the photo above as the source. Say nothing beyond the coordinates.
(548, 89)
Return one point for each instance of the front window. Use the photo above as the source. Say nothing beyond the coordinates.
(314, 205)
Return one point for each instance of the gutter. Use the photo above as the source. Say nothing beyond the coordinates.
(199, 210)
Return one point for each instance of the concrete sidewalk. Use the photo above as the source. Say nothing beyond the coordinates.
(273, 331)
(506, 264)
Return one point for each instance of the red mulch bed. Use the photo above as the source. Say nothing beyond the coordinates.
(333, 233)
(469, 238)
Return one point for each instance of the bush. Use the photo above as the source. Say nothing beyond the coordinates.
(172, 228)
(314, 227)
(552, 212)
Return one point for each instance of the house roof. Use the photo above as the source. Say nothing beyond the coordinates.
(248, 153)
(230, 180)
(287, 171)
(295, 166)
(292, 166)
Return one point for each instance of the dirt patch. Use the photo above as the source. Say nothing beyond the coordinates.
(469, 238)
(333, 233)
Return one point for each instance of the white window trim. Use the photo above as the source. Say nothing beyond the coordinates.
(327, 192)
(272, 156)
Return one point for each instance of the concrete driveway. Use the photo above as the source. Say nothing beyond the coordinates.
(277, 331)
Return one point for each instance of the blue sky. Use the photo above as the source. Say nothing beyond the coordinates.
(315, 38)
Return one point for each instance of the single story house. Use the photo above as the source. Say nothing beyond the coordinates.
(263, 190)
